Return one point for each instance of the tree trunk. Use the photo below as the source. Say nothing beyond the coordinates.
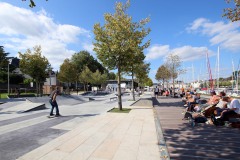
(173, 88)
(133, 88)
(40, 89)
(68, 91)
(119, 90)
(37, 88)
(163, 83)
(84, 86)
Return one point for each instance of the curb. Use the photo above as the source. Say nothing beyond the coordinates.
(135, 102)
(164, 154)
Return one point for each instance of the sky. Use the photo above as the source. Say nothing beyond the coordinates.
(187, 28)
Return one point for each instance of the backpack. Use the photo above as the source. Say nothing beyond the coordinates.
(200, 119)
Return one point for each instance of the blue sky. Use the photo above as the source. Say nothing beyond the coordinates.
(187, 28)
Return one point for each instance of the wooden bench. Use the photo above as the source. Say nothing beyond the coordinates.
(112, 98)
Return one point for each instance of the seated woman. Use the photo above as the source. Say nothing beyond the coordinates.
(210, 106)
(222, 105)
(193, 101)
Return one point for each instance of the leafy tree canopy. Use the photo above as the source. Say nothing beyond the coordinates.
(118, 40)
(3, 59)
(67, 72)
(86, 76)
(111, 76)
(149, 82)
(162, 73)
(34, 64)
(98, 78)
(233, 13)
(85, 59)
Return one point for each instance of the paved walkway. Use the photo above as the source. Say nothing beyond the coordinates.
(109, 136)
(203, 142)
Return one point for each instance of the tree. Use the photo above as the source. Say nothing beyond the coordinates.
(98, 78)
(3, 59)
(149, 82)
(142, 73)
(85, 59)
(233, 13)
(134, 66)
(117, 39)
(111, 76)
(162, 74)
(34, 65)
(67, 72)
(173, 63)
(86, 77)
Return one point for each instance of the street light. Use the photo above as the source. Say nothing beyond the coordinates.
(9, 62)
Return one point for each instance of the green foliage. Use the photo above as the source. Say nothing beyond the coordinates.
(142, 72)
(34, 64)
(85, 59)
(119, 40)
(149, 82)
(67, 72)
(163, 74)
(111, 76)
(116, 110)
(16, 79)
(3, 60)
(27, 81)
(86, 77)
(232, 14)
(3, 77)
(98, 78)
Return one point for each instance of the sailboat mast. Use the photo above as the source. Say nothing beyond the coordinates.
(218, 59)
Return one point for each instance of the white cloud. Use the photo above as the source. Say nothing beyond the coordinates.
(88, 47)
(186, 53)
(22, 28)
(227, 35)
(189, 53)
(157, 51)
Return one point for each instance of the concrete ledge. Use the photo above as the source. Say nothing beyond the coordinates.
(25, 107)
(164, 155)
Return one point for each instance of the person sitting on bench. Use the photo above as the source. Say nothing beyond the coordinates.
(222, 105)
(232, 110)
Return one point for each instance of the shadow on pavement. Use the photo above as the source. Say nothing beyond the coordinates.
(203, 142)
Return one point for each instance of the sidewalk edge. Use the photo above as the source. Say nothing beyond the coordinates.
(164, 154)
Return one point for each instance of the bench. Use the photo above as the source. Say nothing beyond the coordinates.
(112, 98)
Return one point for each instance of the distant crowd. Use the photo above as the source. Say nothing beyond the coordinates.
(218, 110)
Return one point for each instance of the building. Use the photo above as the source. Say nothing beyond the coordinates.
(125, 85)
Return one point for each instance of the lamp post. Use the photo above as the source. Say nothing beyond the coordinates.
(9, 62)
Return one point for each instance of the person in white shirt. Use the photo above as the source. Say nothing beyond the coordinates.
(156, 91)
(222, 105)
(233, 108)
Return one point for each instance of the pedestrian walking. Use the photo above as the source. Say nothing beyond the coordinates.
(53, 102)
(156, 90)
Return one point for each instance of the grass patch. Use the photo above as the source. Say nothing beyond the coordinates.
(116, 110)
(3, 95)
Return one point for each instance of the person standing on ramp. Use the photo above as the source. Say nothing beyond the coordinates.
(53, 102)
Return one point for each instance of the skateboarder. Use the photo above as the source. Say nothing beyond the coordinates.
(53, 102)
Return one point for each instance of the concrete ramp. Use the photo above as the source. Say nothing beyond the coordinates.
(61, 100)
(25, 107)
